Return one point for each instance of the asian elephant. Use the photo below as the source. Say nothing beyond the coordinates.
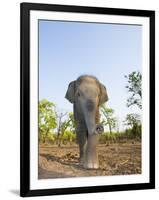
(87, 94)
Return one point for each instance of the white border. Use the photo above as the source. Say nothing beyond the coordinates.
(85, 181)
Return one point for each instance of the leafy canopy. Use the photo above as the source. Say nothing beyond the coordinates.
(134, 88)
(47, 116)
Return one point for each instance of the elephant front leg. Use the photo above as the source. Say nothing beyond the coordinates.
(82, 153)
(82, 141)
(91, 161)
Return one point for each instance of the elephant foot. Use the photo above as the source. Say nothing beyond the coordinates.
(81, 160)
(91, 164)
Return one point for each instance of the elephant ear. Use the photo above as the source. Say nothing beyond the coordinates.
(103, 94)
(70, 94)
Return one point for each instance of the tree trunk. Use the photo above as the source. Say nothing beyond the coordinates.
(44, 140)
(110, 129)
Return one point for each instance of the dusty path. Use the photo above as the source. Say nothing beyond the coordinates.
(115, 159)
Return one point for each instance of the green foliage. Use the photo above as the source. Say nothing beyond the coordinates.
(134, 122)
(108, 117)
(59, 128)
(72, 122)
(51, 137)
(134, 130)
(132, 119)
(69, 136)
(134, 88)
(47, 118)
(107, 137)
(119, 137)
(64, 125)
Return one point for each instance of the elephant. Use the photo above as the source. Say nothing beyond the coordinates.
(86, 94)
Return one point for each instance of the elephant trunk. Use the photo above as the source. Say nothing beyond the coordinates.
(89, 111)
(90, 123)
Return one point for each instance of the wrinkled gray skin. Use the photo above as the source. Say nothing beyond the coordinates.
(87, 94)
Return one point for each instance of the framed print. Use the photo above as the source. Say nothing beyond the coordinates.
(87, 99)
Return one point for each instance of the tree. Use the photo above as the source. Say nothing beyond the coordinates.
(109, 120)
(59, 117)
(132, 119)
(72, 124)
(63, 124)
(134, 122)
(134, 88)
(117, 124)
(47, 118)
(69, 136)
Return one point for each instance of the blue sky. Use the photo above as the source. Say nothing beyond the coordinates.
(70, 49)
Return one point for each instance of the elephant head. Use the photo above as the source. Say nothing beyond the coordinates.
(87, 94)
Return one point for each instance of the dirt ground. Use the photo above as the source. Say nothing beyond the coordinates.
(114, 159)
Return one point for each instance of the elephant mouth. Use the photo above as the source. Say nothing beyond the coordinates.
(99, 129)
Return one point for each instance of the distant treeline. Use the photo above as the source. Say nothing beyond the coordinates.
(59, 127)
